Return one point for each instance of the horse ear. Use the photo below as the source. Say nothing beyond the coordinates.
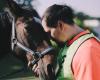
(14, 7)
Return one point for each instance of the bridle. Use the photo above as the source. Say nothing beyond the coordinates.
(15, 42)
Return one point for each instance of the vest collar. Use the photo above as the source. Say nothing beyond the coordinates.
(76, 37)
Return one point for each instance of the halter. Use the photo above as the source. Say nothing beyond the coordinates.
(15, 42)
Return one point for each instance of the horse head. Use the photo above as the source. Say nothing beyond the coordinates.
(31, 38)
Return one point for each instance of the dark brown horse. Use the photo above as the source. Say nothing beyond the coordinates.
(30, 39)
(5, 31)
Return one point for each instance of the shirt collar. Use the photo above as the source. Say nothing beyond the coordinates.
(77, 36)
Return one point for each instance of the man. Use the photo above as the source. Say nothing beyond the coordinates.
(81, 53)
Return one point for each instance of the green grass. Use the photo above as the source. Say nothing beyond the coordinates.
(12, 69)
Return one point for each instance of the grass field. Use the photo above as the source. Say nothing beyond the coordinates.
(12, 69)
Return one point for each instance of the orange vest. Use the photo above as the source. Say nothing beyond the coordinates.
(66, 72)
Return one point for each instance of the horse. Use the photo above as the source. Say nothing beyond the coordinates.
(5, 31)
(30, 39)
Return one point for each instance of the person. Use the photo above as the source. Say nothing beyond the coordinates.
(79, 56)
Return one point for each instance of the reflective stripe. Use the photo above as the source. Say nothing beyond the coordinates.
(70, 52)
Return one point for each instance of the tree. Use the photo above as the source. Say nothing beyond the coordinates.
(82, 16)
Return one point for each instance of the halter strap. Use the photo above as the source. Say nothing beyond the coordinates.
(15, 42)
(13, 37)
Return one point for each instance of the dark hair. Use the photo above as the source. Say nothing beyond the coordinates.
(58, 12)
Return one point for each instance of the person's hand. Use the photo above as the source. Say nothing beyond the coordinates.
(34, 68)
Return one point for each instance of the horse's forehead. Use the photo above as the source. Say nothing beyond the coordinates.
(20, 28)
(22, 21)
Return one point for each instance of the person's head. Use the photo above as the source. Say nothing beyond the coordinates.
(57, 20)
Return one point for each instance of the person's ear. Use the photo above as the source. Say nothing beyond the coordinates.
(61, 25)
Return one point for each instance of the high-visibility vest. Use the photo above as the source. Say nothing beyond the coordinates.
(66, 71)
